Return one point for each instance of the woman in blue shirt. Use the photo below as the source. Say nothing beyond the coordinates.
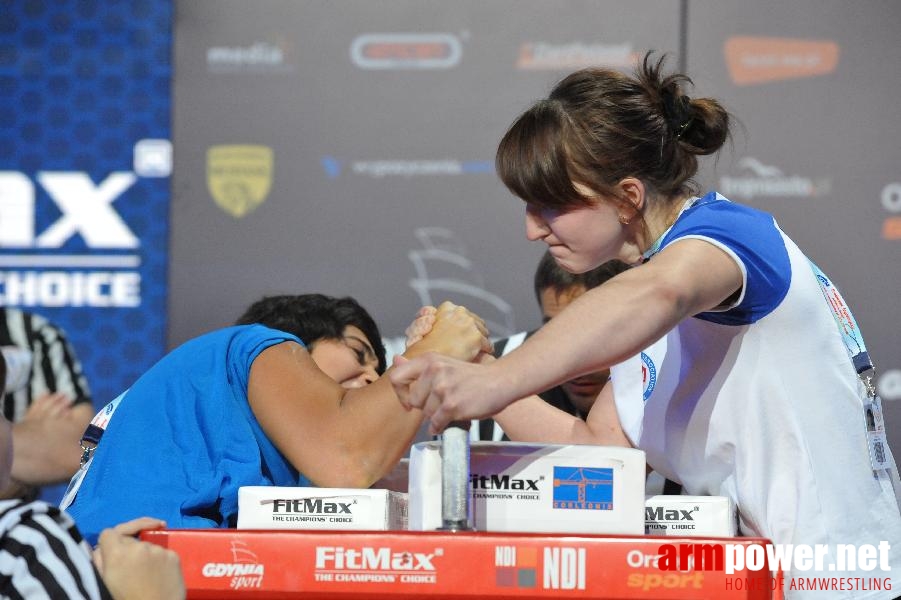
(290, 396)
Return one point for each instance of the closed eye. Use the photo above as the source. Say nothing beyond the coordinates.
(363, 351)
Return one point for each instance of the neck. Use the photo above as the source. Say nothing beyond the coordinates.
(659, 217)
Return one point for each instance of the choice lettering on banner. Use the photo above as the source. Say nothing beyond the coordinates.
(84, 196)
(86, 210)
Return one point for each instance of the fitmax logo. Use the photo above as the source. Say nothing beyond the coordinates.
(659, 514)
(86, 209)
(310, 506)
(501, 482)
(369, 559)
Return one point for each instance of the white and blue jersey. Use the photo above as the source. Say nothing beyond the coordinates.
(183, 439)
(759, 401)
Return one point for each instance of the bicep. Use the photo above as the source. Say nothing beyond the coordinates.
(702, 275)
(294, 402)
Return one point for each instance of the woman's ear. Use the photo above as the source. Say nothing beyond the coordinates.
(632, 192)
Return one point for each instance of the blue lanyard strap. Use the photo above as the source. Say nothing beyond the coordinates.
(881, 459)
(94, 432)
(847, 327)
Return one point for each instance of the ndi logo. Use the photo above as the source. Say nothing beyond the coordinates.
(561, 569)
(583, 488)
(515, 566)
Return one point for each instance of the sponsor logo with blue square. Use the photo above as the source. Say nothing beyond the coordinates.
(583, 488)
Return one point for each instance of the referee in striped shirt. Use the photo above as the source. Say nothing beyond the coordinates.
(43, 556)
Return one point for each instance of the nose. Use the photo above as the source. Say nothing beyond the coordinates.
(369, 374)
(536, 226)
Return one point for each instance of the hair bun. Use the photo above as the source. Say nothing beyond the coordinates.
(677, 112)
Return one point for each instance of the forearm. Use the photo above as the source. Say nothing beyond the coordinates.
(47, 451)
(601, 328)
(379, 430)
(39, 459)
(378, 433)
(532, 419)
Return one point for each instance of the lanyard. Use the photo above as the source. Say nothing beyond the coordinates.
(850, 332)
(95, 429)
(877, 442)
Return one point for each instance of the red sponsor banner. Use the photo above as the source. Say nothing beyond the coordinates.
(381, 565)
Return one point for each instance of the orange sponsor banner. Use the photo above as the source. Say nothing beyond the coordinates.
(891, 228)
(465, 565)
(754, 60)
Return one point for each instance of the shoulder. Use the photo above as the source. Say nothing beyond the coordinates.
(720, 218)
(15, 512)
(753, 240)
(239, 339)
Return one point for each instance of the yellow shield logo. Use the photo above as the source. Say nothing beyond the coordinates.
(239, 177)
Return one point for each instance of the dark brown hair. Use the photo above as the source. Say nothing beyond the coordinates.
(599, 126)
(314, 317)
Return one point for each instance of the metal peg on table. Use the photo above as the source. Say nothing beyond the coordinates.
(455, 509)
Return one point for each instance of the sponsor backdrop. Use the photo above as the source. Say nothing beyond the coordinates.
(347, 148)
(85, 159)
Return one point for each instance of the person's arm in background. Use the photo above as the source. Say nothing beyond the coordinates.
(47, 440)
(532, 419)
(348, 438)
(46, 437)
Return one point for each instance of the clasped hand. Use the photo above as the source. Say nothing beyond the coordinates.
(446, 389)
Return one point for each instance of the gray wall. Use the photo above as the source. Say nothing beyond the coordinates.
(377, 122)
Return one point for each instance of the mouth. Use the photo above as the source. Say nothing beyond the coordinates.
(584, 386)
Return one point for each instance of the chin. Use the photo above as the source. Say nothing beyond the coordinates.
(566, 264)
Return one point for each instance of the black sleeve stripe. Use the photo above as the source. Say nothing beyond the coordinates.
(60, 369)
(52, 524)
(40, 574)
(41, 550)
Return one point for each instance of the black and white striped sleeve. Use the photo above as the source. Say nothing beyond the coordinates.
(43, 556)
(55, 366)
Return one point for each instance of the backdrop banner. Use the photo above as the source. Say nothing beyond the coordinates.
(348, 149)
(85, 164)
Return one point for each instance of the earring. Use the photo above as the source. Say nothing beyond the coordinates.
(624, 220)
